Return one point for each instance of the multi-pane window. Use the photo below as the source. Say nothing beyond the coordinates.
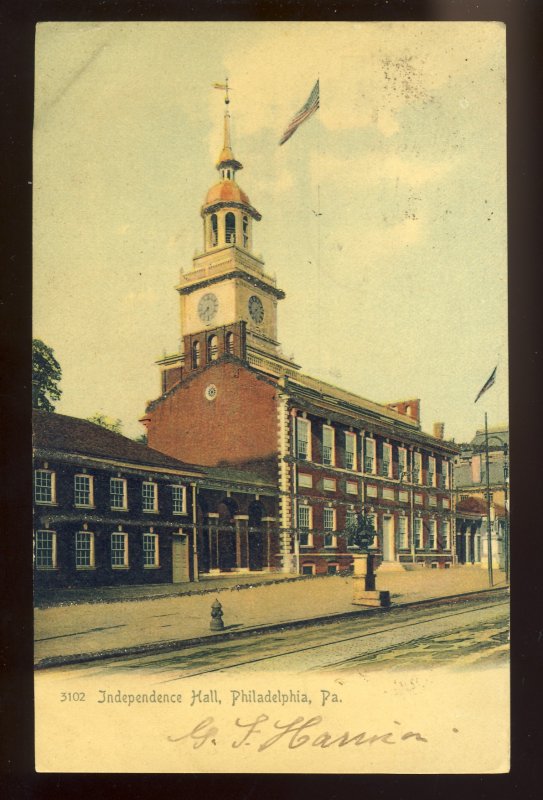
(402, 462)
(403, 541)
(432, 534)
(417, 532)
(304, 524)
(329, 484)
(370, 460)
(351, 519)
(119, 549)
(46, 550)
(329, 525)
(444, 474)
(431, 471)
(117, 493)
(417, 468)
(44, 486)
(150, 550)
(179, 499)
(83, 490)
(388, 494)
(327, 445)
(432, 500)
(350, 450)
(386, 463)
(371, 491)
(305, 480)
(446, 534)
(149, 496)
(446, 502)
(419, 500)
(303, 431)
(403, 496)
(84, 549)
(351, 487)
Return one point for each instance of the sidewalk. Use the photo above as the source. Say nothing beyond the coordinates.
(62, 633)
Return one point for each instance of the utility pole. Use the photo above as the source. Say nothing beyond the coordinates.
(489, 530)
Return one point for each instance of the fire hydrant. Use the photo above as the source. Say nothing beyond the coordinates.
(216, 623)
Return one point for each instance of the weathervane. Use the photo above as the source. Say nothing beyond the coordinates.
(225, 88)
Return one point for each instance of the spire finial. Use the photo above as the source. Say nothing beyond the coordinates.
(226, 158)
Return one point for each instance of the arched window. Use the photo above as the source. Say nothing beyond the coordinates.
(214, 231)
(230, 343)
(212, 348)
(245, 231)
(230, 221)
(195, 355)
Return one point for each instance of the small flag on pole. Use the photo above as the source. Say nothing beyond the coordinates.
(304, 113)
(488, 384)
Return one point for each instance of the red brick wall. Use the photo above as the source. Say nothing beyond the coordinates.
(239, 425)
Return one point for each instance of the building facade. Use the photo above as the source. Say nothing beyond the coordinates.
(470, 479)
(231, 400)
(108, 510)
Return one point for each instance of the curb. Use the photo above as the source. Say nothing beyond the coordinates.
(182, 644)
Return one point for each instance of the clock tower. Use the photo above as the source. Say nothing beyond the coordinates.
(227, 283)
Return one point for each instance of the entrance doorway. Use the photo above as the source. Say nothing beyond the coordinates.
(388, 538)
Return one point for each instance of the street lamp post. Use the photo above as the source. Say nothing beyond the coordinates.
(489, 523)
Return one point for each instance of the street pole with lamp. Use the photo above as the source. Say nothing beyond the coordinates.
(488, 384)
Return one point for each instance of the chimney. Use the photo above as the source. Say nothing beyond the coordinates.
(439, 430)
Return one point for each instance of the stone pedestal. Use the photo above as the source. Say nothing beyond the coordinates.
(364, 592)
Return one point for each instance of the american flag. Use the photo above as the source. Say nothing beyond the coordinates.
(304, 113)
(488, 384)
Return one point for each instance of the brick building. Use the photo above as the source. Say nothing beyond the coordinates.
(110, 511)
(470, 481)
(231, 400)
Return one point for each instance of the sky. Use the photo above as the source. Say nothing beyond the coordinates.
(397, 290)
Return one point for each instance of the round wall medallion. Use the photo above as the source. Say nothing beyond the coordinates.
(211, 392)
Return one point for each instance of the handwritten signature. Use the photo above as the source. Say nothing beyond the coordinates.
(294, 734)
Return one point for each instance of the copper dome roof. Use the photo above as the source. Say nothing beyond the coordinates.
(226, 191)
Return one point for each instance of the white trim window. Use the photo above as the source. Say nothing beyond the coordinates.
(419, 500)
(446, 534)
(403, 534)
(305, 480)
(402, 462)
(119, 549)
(150, 550)
(351, 487)
(328, 445)
(370, 461)
(431, 471)
(303, 439)
(432, 501)
(418, 533)
(375, 520)
(329, 526)
(417, 468)
(445, 475)
(84, 550)
(403, 496)
(446, 503)
(329, 484)
(350, 519)
(118, 494)
(305, 524)
(386, 462)
(44, 486)
(371, 490)
(350, 450)
(45, 550)
(149, 496)
(432, 534)
(388, 493)
(83, 491)
(179, 499)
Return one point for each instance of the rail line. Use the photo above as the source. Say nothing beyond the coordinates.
(335, 642)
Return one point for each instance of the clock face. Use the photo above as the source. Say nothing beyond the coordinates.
(207, 307)
(256, 309)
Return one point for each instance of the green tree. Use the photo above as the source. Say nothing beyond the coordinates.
(361, 532)
(142, 438)
(115, 425)
(46, 375)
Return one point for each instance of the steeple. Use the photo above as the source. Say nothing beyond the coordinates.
(227, 211)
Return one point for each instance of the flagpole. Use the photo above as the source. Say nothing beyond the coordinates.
(489, 530)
